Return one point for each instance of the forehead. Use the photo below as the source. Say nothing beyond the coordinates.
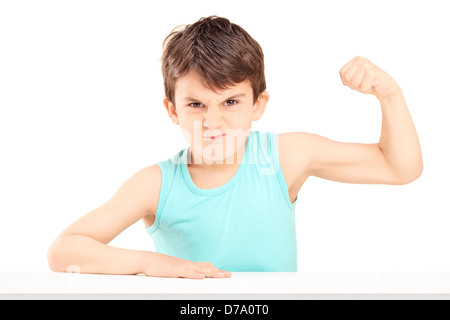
(192, 84)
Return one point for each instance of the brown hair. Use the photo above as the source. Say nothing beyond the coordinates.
(220, 52)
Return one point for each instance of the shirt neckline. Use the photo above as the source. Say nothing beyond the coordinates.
(191, 185)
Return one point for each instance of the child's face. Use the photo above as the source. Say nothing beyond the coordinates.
(203, 113)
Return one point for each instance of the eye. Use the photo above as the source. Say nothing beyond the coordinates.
(195, 105)
(231, 103)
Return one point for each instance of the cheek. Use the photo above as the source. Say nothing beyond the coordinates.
(244, 122)
(240, 118)
(191, 129)
(187, 134)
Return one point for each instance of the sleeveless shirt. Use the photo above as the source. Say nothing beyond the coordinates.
(247, 224)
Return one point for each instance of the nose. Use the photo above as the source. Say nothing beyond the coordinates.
(212, 118)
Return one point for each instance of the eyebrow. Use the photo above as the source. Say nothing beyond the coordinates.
(230, 98)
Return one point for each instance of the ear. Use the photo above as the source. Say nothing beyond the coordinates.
(171, 110)
(260, 105)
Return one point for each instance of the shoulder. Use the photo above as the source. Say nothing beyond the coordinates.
(294, 150)
(149, 176)
(142, 188)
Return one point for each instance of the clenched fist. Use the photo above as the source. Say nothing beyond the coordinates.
(363, 76)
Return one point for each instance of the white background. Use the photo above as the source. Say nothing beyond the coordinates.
(81, 111)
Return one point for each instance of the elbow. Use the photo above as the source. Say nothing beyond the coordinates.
(56, 257)
(407, 179)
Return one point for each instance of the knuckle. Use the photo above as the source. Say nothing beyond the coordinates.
(185, 270)
(207, 264)
(347, 77)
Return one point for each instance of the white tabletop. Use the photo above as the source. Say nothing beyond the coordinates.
(296, 285)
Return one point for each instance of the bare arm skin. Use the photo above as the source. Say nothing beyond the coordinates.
(83, 246)
(395, 160)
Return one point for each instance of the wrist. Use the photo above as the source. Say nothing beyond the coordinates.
(146, 261)
(157, 264)
(394, 94)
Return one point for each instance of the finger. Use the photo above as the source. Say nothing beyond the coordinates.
(194, 274)
(221, 274)
(205, 268)
(347, 65)
(227, 274)
(358, 77)
(215, 273)
(348, 73)
(211, 271)
(191, 273)
(367, 83)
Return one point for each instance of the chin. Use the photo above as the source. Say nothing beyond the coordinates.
(220, 152)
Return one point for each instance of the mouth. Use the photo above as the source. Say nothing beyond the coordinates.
(212, 138)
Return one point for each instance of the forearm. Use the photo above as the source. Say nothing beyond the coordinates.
(78, 253)
(399, 140)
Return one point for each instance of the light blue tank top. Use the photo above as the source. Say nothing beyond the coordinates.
(247, 224)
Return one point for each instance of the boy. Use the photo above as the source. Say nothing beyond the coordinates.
(227, 202)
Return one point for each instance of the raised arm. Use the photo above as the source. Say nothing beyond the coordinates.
(396, 159)
(399, 141)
